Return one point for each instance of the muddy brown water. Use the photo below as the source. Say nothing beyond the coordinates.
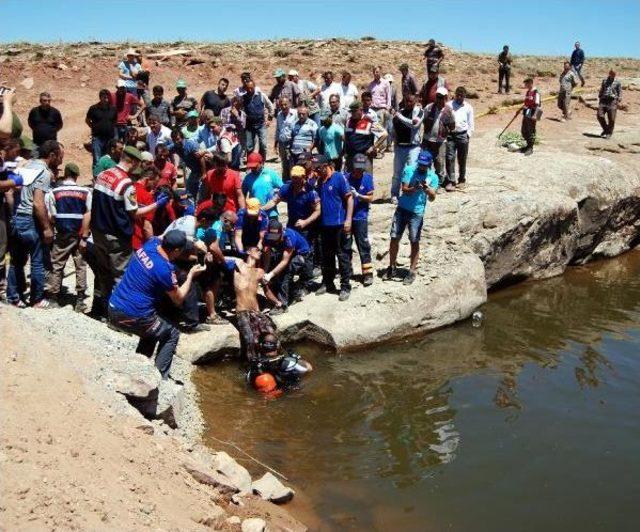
(529, 422)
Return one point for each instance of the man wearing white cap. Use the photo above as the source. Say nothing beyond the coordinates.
(438, 123)
(128, 69)
(126, 105)
(307, 88)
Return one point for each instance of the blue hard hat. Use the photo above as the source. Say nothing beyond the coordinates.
(425, 158)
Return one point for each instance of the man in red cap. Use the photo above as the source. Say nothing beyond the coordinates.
(261, 182)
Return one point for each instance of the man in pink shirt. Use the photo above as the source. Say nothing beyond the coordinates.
(380, 90)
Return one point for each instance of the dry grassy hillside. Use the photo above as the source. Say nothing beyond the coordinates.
(74, 73)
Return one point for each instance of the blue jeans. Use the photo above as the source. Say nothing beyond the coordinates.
(26, 244)
(257, 135)
(403, 219)
(98, 148)
(402, 156)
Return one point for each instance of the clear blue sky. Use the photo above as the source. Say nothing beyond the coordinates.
(529, 26)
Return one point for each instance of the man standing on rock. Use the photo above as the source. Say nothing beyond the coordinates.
(458, 140)
(567, 83)
(336, 201)
(419, 184)
(439, 123)
(504, 69)
(362, 135)
(255, 102)
(608, 99)
(150, 276)
(531, 111)
(406, 124)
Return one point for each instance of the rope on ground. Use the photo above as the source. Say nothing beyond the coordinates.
(518, 105)
(231, 444)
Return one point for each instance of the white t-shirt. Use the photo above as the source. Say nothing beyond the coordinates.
(163, 136)
(348, 93)
(327, 91)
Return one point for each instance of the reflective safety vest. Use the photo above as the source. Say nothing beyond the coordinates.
(69, 205)
(108, 212)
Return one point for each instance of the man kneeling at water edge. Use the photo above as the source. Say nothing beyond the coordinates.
(150, 275)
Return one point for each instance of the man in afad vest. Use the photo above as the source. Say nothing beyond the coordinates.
(362, 135)
(69, 207)
(113, 209)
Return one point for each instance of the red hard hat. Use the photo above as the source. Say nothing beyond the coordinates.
(265, 383)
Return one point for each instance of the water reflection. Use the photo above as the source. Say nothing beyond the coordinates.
(382, 420)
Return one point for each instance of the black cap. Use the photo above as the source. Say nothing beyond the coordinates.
(176, 239)
(274, 232)
(319, 160)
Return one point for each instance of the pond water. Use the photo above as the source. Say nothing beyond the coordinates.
(529, 422)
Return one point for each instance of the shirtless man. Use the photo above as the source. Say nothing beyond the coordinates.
(251, 322)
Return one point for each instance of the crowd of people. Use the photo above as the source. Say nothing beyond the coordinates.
(179, 241)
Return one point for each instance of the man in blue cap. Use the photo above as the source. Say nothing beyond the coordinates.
(149, 277)
(419, 184)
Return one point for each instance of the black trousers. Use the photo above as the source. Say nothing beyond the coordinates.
(528, 130)
(457, 148)
(189, 313)
(503, 75)
(336, 244)
(152, 330)
(301, 265)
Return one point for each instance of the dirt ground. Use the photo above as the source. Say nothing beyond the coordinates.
(68, 463)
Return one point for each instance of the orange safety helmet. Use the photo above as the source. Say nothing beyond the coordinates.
(265, 383)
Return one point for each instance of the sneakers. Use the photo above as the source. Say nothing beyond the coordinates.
(18, 304)
(324, 289)
(563, 119)
(528, 151)
(80, 307)
(367, 279)
(409, 278)
(449, 187)
(461, 185)
(45, 304)
(216, 319)
(317, 272)
(344, 295)
(390, 273)
(394, 200)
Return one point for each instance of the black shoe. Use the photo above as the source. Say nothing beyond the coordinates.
(324, 289)
(344, 295)
(368, 279)
(409, 278)
(300, 294)
(528, 151)
(317, 272)
(390, 273)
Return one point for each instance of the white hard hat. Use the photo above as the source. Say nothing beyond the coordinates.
(293, 72)
(442, 91)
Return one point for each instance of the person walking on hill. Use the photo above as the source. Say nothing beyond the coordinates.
(608, 99)
(577, 61)
(531, 111)
(458, 140)
(504, 69)
(567, 82)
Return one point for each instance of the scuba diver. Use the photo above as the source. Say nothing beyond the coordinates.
(275, 369)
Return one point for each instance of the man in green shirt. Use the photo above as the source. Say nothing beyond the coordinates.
(111, 158)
